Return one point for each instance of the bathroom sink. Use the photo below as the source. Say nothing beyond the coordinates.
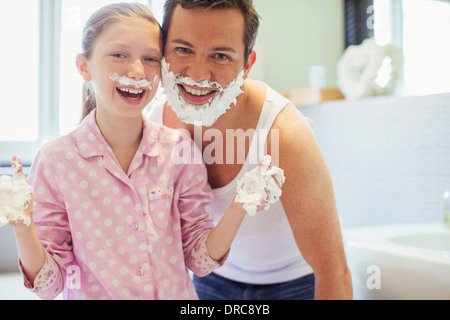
(396, 262)
(424, 241)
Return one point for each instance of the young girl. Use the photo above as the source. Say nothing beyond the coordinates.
(115, 217)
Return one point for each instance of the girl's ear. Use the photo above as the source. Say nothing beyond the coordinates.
(83, 68)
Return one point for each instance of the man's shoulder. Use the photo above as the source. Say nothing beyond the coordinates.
(266, 91)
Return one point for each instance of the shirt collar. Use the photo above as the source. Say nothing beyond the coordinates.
(91, 143)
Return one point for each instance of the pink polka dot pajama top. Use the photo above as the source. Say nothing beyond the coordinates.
(108, 234)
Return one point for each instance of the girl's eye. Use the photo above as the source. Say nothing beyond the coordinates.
(152, 60)
(118, 55)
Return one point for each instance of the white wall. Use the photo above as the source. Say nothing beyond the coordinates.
(388, 157)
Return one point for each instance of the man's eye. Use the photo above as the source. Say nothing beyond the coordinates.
(221, 56)
(118, 55)
(183, 50)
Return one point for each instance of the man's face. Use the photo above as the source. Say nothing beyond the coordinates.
(205, 55)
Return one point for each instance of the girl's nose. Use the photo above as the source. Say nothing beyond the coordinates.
(137, 71)
(198, 70)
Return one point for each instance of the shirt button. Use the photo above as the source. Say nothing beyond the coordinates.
(140, 272)
(135, 226)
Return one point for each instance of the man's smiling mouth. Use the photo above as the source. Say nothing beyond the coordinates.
(197, 92)
(195, 95)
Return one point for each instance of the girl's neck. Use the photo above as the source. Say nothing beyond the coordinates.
(123, 135)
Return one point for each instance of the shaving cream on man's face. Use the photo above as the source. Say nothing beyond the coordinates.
(207, 113)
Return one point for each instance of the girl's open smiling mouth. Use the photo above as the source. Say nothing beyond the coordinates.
(131, 95)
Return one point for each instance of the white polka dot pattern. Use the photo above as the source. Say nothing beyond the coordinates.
(129, 235)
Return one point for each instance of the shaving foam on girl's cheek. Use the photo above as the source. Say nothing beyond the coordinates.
(207, 113)
(125, 81)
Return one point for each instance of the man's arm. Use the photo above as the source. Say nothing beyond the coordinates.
(309, 202)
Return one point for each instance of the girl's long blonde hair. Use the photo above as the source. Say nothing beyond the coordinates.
(94, 27)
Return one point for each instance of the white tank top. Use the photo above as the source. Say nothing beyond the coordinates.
(264, 250)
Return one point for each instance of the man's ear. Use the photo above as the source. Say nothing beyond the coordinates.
(250, 62)
(83, 68)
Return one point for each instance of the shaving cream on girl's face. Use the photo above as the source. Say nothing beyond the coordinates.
(125, 81)
(205, 114)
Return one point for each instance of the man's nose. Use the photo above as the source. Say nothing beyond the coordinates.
(199, 70)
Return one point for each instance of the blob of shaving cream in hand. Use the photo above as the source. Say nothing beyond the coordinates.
(258, 186)
(15, 196)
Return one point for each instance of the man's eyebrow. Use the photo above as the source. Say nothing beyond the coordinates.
(226, 49)
(190, 45)
(184, 43)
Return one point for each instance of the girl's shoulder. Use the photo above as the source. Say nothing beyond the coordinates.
(62, 144)
(53, 154)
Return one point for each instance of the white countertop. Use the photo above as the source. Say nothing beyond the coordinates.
(12, 288)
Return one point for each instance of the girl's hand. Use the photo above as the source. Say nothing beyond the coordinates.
(260, 187)
(27, 216)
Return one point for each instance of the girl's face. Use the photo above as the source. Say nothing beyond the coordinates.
(124, 49)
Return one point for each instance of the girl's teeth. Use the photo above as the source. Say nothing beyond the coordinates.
(131, 90)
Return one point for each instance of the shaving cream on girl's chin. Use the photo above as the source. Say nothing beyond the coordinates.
(208, 113)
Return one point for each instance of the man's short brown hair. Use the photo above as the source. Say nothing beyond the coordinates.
(251, 17)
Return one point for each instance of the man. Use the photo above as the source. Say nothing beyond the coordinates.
(294, 250)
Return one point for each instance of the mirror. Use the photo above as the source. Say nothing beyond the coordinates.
(296, 35)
